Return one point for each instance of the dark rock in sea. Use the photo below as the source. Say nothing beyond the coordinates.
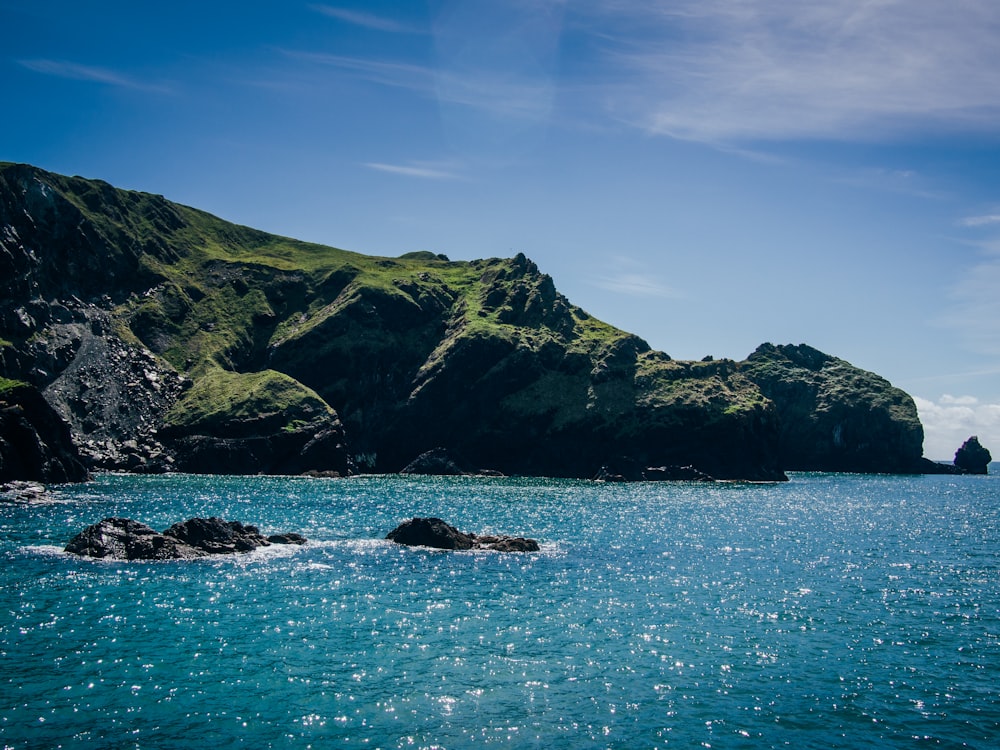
(217, 537)
(430, 532)
(433, 532)
(675, 474)
(437, 461)
(287, 538)
(125, 539)
(443, 462)
(927, 466)
(972, 457)
(23, 492)
(505, 543)
(35, 442)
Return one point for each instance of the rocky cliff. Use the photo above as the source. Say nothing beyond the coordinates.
(834, 416)
(35, 443)
(169, 339)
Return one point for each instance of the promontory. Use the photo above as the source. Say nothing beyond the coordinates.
(143, 335)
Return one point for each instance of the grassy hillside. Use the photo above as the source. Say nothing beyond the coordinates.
(262, 332)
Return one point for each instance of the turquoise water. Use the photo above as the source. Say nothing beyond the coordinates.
(829, 611)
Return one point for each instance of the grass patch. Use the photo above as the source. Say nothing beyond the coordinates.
(220, 396)
(8, 384)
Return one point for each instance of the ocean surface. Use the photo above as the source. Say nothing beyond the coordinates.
(830, 611)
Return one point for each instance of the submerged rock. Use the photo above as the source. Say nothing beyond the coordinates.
(972, 457)
(433, 532)
(125, 539)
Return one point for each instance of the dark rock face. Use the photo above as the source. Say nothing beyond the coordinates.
(433, 532)
(834, 416)
(973, 458)
(317, 447)
(35, 443)
(437, 461)
(125, 539)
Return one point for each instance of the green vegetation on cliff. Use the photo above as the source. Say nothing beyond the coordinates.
(482, 357)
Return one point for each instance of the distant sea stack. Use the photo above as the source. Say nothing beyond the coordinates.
(167, 339)
(973, 458)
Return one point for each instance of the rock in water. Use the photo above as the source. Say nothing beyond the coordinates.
(437, 461)
(217, 537)
(506, 543)
(430, 532)
(125, 539)
(287, 538)
(433, 532)
(973, 458)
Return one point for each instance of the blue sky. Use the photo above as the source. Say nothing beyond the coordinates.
(709, 174)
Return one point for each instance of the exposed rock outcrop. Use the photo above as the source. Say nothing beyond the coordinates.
(35, 443)
(125, 539)
(833, 416)
(433, 532)
(438, 461)
(973, 458)
(21, 491)
(255, 423)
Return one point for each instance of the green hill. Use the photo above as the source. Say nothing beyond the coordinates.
(170, 339)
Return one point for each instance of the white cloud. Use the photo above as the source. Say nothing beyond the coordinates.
(634, 283)
(725, 70)
(950, 421)
(366, 20)
(77, 72)
(980, 221)
(498, 92)
(950, 400)
(424, 172)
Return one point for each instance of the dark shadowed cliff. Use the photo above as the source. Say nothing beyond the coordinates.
(168, 339)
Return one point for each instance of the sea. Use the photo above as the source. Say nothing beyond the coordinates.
(829, 611)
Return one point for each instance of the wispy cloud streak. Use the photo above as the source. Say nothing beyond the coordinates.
(491, 91)
(980, 221)
(422, 172)
(92, 74)
(634, 284)
(366, 20)
(730, 70)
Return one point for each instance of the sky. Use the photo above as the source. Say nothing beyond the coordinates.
(708, 174)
